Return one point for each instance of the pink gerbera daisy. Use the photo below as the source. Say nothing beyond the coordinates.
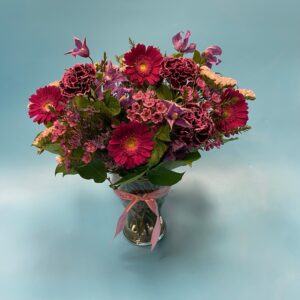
(131, 145)
(143, 64)
(234, 111)
(46, 104)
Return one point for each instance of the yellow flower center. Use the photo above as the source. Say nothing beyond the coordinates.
(143, 67)
(131, 144)
(48, 106)
(226, 113)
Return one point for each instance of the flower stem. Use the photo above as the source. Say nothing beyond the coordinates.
(91, 60)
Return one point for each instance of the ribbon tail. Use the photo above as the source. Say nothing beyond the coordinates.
(121, 223)
(157, 228)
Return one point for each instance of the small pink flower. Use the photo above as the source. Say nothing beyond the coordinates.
(130, 114)
(161, 107)
(206, 92)
(72, 118)
(157, 118)
(149, 102)
(75, 141)
(146, 114)
(135, 107)
(90, 146)
(216, 98)
(59, 130)
(137, 117)
(86, 158)
(138, 96)
(150, 94)
(187, 93)
(201, 83)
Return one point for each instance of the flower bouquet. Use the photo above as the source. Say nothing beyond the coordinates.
(134, 122)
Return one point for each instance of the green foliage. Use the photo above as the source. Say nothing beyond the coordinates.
(62, 169)
(188, 160)
(164, 92)
(110, 106)
(94, 170)
(240, 130)
(229, 140)
(198, 58)
(81, 102)
(157, 153)
(131, 42)
(162, 136)
(53, 148)
(130, 177)
(177, 55)
(163, 176)
(163, 133)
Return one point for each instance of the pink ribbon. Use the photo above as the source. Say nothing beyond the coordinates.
(149, 199)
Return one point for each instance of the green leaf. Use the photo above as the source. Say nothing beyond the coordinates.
(197, 57)
(77, 153)
(131, 42)
(81, 102)
(229, 140)
(62, 169)
(157, 153)
(163, 133)
(131, 177)
(163, 176)
(53, 148)
(188, 160)
(177, 55)
(110, 105)
(164, 92)
(94, 170)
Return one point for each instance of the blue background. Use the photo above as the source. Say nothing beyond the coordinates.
(233, 221)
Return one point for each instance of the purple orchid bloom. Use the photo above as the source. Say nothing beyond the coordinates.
(173, 115)
(211, 53)
(112, 76)
(181, 45)
(81, 48)
(111, 81)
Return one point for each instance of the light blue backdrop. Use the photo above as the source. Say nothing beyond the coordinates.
(233, 222)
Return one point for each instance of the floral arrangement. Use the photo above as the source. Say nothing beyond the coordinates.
(144, 116)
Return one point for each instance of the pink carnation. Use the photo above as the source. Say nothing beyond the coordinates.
(77, 81)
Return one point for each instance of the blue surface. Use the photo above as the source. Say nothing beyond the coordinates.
(233, 222)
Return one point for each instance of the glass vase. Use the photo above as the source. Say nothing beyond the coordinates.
(140, 219)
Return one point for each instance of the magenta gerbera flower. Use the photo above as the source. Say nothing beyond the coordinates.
(131, 144)
(143, 64)
(233, 111)
(46, 104)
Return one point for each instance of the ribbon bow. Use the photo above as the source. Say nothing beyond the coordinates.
(149, 199)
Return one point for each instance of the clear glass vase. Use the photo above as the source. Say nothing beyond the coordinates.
(140, 219)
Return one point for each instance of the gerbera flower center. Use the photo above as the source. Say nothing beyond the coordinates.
(143, 66)
(48, 107)
(130, 143)
(227, 113)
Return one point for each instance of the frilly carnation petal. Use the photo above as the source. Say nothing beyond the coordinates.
(179, 72)
(78, 80)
